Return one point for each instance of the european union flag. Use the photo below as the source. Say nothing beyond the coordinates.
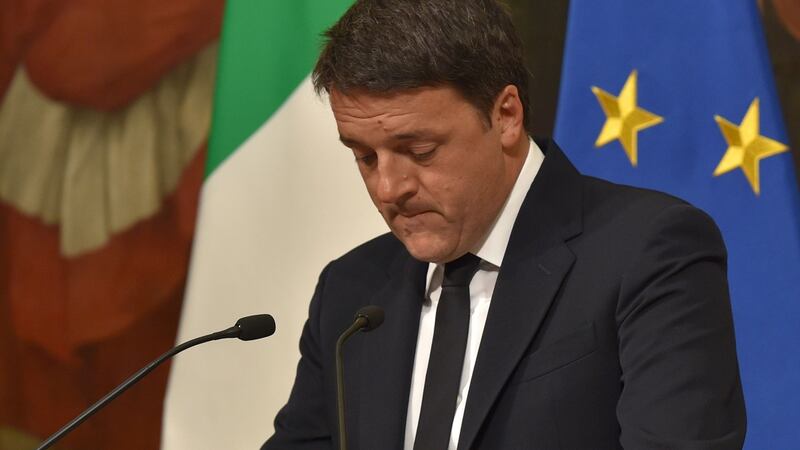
(678, 96)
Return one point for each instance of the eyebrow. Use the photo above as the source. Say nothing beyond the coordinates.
(410, 136)
(349, 142)
(419, 134)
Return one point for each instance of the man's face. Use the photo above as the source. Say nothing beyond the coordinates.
(435, 170)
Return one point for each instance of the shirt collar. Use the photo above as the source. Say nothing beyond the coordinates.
(493, 247)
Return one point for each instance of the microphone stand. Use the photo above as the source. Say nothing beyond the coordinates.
(367, 319)
(248, 328)
(358, 324)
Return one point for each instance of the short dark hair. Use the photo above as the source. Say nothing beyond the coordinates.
(389, 45)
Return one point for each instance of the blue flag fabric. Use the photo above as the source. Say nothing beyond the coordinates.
(678, 96)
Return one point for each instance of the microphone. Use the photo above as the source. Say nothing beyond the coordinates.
(367, 319)
(246, 329)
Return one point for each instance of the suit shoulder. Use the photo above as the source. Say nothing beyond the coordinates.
(634, 210)
(607, 193)
(351, 280)
(376, 254)
(603, 196)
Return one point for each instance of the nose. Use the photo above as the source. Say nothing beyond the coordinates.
(396, 180)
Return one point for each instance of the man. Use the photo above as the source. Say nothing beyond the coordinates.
(527, 306)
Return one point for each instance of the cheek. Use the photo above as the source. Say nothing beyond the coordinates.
(479, 191)
(448, 195)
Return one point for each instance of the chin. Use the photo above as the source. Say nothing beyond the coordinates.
(427, 249)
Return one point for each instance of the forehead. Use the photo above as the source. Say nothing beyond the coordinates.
(362, 104)
(436, 109)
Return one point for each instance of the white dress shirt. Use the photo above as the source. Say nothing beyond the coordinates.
(491, 252)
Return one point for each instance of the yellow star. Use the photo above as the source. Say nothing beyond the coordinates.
(746, 147)
(624, 118)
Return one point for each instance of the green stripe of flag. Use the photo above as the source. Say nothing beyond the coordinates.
(268, 47)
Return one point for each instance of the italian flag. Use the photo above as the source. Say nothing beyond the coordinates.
(280, 199)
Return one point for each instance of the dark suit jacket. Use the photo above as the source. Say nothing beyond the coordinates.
(610, 326)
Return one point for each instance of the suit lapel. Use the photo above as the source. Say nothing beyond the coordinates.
(388, 357)
(535, 264)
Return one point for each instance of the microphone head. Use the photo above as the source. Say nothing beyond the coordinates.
(373, 315)
(255, 327)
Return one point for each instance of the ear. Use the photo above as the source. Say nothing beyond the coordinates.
(508, 116)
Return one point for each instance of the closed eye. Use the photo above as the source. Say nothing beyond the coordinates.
(423, 155)
(367, 159)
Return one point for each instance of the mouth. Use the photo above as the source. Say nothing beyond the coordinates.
(413, 222)
(411, 215)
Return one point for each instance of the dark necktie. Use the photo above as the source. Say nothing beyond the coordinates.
(447, 356)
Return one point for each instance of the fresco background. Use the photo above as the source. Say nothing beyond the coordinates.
(104, 114)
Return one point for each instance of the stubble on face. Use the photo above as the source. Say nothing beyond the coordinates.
(436, 172)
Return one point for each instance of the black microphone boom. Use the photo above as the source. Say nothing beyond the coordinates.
(367, 319)
(247, 329)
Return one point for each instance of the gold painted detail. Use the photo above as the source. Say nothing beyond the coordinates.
(13, 439)
(96, 174)
(746, 146)
(624, 119)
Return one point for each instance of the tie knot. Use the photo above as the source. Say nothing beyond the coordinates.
(460, 271)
